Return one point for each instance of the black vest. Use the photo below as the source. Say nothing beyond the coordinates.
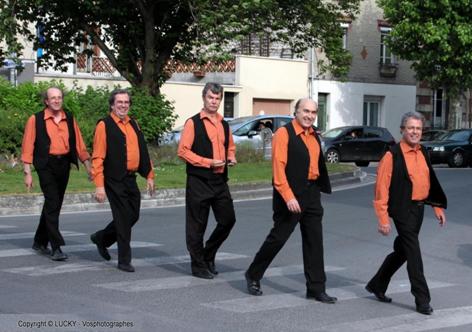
(298, 163)
(115, 163)
(202, 147)
(401, 187)
(42, 141)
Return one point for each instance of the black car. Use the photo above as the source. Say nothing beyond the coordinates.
(360, 144)
(454, 148)
(432, 135)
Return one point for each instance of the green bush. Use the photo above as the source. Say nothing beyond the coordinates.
(155, 115)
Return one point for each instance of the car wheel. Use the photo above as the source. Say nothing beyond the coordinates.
(362, 163)
(456, 159)
(332, 156)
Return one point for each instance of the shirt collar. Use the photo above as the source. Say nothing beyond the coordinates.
(204, 114)
(299, 129)
(49, 114)
(117, 119)
(407, 148)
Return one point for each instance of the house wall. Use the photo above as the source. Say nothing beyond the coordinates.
(345, 103)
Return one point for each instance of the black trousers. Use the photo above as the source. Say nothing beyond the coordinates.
(53, 181)
(406, 247)
(200, 195)
(312, 238)
(125, 201)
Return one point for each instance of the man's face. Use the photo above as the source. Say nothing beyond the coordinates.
(121, 105)
(211, 101)
(54, 99)
(412, 131)
(306, 113)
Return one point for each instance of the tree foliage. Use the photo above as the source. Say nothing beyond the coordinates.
(436, 36)
(140, 37)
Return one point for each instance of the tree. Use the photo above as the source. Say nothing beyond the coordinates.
(140, 37)
(437, 37)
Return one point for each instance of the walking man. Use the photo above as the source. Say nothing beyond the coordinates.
(299, 175)
(52, 142)
(207, 147)
(406, 182)
(119, 152)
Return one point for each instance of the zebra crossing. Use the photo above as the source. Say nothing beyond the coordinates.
(243, 303)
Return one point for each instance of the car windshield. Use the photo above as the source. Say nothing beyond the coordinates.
(332, 133)
(456, 136)
(239, 121)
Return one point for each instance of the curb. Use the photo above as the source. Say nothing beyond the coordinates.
(31, 204)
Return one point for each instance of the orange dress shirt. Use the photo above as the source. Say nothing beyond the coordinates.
(279, 157)
(419, 175)
(100, 149)
(216, 134)
(58, 134)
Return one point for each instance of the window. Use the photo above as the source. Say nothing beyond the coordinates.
(386, 56)
(371, 112)
(228, 108)
(345, 27)
(255, 44)
(322, 116)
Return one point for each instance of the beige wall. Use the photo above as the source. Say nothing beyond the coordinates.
(269, 78)
(82, 81)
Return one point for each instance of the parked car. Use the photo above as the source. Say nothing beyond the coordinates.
(171, 137)
(432, 135)
(360, 144)
(454, 148)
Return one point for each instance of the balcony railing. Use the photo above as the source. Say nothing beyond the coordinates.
(388, 69)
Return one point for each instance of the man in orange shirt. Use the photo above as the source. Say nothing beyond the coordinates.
(207, 146)
(51, 142)
(299, 175)
(405, 182)
(119, 152)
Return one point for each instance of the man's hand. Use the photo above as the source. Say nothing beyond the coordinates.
(441, 216)
(217, 163)
(88, 167)
(28, 181)
(293, 206)
(100, 194)
(151, 189)
(232, 162)
(384, 229)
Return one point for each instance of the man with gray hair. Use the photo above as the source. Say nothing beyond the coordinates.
(299, 177)
(207, 146)
(406, 181)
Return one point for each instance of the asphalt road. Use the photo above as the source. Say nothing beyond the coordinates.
(88, 294)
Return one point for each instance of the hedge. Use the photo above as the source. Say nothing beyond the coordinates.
(155, 115)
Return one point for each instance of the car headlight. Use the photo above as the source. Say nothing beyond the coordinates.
(438, 148)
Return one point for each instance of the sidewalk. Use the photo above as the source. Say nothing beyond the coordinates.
(73, 202)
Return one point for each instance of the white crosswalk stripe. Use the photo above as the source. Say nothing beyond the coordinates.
(279, 301)
(45, 270)
(189, 281)
(6, 226)
(441, 319)
(71, 248)
(30, 235)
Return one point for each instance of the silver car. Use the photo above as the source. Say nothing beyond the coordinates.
(256, 130)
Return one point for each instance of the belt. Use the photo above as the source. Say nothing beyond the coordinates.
(58, 156)
(130, 173)
(418, 203)
(310, 183)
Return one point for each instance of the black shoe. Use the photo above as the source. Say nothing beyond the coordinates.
(202, 273)
(253, 286)
(379, 295)
(41, 249)
(424, 309)
(126, 267)
(321, 297)
(211, 267)
(57, 255)
(102, 250)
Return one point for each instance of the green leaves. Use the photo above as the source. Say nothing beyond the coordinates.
(436, 36)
